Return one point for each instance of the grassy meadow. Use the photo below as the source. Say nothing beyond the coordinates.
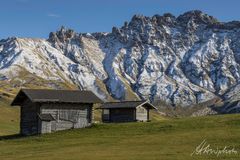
(9, 118)
(163, 139)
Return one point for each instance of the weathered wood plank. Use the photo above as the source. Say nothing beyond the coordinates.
(68, 116)
(29, 118)
(141, 114)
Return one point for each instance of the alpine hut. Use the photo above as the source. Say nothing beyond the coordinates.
(46, 111)
(126, 111)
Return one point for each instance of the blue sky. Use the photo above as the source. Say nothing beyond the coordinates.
(36, 18)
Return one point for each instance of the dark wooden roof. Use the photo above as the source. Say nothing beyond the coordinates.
(55, 96)
(46, 117)
(127, 104)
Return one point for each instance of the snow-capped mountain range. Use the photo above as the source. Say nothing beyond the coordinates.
(183, 60)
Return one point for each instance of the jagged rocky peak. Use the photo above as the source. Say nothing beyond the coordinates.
(137, 22)
(144, 25)
(167, 19)
(62, 35)
(197, 17)
(66, 35)
(139, 18)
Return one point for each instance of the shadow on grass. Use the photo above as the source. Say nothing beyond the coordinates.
(14, 136)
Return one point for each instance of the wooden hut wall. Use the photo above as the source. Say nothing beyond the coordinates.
(122, 115)
(68, 116)
(29, 118)
(142, 114)
(105, 115)
(46, 127)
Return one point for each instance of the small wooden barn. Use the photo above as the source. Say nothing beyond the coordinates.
(126, 111)
(46, 111)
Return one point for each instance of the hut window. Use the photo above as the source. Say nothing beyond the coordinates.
(106, 111)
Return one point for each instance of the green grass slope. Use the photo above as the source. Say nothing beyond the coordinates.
(9, 118)
(169, 139)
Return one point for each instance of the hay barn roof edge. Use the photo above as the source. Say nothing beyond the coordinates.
(55, 96)
(127, 104)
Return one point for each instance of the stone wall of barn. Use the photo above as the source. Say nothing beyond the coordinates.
(67, 116)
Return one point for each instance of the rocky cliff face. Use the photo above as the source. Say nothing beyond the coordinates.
(183, 60)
